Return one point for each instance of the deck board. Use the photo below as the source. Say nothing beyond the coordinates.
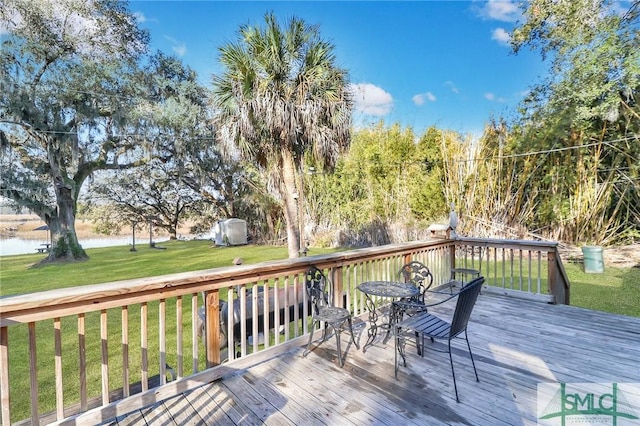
(517, 344)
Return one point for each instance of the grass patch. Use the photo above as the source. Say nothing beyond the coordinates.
(19, 275)
(616, 291)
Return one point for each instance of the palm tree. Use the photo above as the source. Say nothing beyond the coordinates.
(281, 96)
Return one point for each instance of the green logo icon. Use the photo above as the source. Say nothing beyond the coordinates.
(587, 403)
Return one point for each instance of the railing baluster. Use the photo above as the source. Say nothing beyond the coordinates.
(495, 264)
(179, 339)
(243, 320)
(511, 257)
(4, 376)
(520, 267)
(33, 374)
(195, 332)
(287, 320)
(254, 317)
(162, 339)
(104, 338)
(529, 274)
(82, 362)
(232, 300)
(539, 270)
(298, 287)
(57, 336)
(276, 308)
(488, 267)
(266, 308)
(125, 351)
(144, 347)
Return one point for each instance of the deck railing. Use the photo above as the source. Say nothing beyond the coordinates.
(64, 352)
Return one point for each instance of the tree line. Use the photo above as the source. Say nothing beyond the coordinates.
(93, 123)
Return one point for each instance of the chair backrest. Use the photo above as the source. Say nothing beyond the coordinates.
(317, 288)
(466, 301)
(419, 275)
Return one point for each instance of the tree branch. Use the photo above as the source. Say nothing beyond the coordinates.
(43, 211)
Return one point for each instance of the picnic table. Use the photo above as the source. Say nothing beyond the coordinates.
(45, 249)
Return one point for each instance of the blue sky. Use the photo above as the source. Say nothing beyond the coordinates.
(417, 63)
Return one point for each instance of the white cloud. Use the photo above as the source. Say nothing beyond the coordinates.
(452, 86)
(421, 98)
(371, 100)
(178, 46)
(501, 36)
(493, 98)
(500, 10)
(140, 17)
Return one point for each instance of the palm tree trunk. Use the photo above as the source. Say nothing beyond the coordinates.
(289, 193)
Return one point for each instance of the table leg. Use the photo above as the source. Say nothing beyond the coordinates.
(373, 322)
(399, 347)
(395, 316)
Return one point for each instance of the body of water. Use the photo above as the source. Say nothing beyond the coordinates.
(10, 246)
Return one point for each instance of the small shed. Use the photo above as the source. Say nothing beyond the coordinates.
(230, 232)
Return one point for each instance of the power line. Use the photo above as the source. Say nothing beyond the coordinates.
(549, 151)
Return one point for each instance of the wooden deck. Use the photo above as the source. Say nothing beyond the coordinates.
(516, 343)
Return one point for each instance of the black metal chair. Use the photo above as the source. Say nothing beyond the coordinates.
(429, 325)
(459, 274)
(419, 275)
(318, 289)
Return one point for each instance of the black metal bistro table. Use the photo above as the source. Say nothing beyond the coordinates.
(387, 289)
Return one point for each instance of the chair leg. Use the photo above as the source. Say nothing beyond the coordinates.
(337, 333)
(325, 333)
(420, 344)
(395, 359)
(353, 337)
(313, 328)
(453, 373)
(399, 350)
(471, 355)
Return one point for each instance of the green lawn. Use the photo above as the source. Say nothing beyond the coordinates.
(617, 290)
(118, 263)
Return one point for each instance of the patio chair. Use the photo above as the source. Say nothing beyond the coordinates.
(459, 274)
(419, 275)
(318, 287)
(429, 325)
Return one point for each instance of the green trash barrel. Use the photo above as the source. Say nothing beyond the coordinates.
(593, 259)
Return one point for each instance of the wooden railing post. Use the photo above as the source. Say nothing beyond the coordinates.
(212, 307)
(452, 256)
(558, 284)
